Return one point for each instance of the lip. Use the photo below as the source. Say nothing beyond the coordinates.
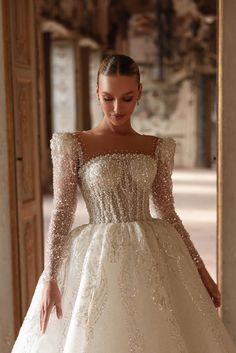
(117, 116)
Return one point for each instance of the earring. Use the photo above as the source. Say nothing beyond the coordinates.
(99, 101)
(137, 102)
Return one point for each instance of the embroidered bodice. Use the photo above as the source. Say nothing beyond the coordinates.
(116, 187)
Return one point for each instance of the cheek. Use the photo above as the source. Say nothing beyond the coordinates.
(130, 106)
(106, 106)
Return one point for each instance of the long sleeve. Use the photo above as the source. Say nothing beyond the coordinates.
(64, 154)
(162, 194)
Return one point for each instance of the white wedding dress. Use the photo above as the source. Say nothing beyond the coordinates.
(129, 281)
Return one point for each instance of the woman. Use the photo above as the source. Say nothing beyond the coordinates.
(125, 281)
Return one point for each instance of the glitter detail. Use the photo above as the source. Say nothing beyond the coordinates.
(65, 157)
(125, 274)
(117, 186)
(162, 194)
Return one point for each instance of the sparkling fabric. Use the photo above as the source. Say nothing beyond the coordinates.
(162, 194)
(129, 281)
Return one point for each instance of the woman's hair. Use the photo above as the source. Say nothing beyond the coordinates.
(118, 64)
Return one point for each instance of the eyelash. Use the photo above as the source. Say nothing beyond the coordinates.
(110, 99)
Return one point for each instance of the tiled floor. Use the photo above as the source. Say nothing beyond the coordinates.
(195, 202)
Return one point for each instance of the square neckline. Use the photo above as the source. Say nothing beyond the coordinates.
(115, 152)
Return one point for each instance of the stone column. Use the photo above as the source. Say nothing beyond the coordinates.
(227, 164)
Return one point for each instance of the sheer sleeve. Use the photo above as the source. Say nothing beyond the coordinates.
(162, 194)
(65, 161)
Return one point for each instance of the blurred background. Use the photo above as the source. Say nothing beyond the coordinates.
(174, 43)
(50, 53)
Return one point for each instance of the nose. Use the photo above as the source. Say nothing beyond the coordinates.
(117, 106)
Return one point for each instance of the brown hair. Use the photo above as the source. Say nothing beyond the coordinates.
(118, 64)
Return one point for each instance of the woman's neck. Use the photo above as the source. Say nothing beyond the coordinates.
(106, 128)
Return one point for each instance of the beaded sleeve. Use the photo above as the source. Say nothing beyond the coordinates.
(64, 154)
(162, 194)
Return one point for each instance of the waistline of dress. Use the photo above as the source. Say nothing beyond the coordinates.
(135, 220)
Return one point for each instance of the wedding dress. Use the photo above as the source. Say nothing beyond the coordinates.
(129, 282)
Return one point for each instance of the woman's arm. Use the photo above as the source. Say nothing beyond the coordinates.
(162, 194)
(64, 153)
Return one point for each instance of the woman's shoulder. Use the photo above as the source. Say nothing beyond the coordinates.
(166, 151)
(164, 148)
(168, 143)
(65, 135)
(164, 141)
(61, 134)
(62, 140)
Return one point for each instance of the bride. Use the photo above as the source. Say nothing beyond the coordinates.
(125, 281)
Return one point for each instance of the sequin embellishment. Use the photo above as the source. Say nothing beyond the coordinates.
(125, 274)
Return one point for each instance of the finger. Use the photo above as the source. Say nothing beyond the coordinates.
(58, 307)
(46, 317)
(217, 295)
(216, 301)
(44, 323)
(41, 318)
(59, 311)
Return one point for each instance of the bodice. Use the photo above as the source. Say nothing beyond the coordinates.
(116, 187)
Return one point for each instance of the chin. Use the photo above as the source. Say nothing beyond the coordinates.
(119, 120)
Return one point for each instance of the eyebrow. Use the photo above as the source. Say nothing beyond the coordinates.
(122, 94)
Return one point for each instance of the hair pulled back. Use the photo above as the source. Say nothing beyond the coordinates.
(118, 64)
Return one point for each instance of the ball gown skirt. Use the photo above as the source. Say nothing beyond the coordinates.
(127, 287)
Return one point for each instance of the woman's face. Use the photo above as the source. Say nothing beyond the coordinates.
(118, 96)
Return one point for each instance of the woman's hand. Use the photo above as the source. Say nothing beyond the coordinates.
(211, 286)
(51, 296)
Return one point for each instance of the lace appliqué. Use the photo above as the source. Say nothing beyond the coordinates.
(152, 270)
(94, 291)
(128, 292)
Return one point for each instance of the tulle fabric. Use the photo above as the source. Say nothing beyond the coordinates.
(127, 287)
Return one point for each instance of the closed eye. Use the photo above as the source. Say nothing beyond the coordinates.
(128, 99)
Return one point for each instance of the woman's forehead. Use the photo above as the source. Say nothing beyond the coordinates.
(122, 84)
